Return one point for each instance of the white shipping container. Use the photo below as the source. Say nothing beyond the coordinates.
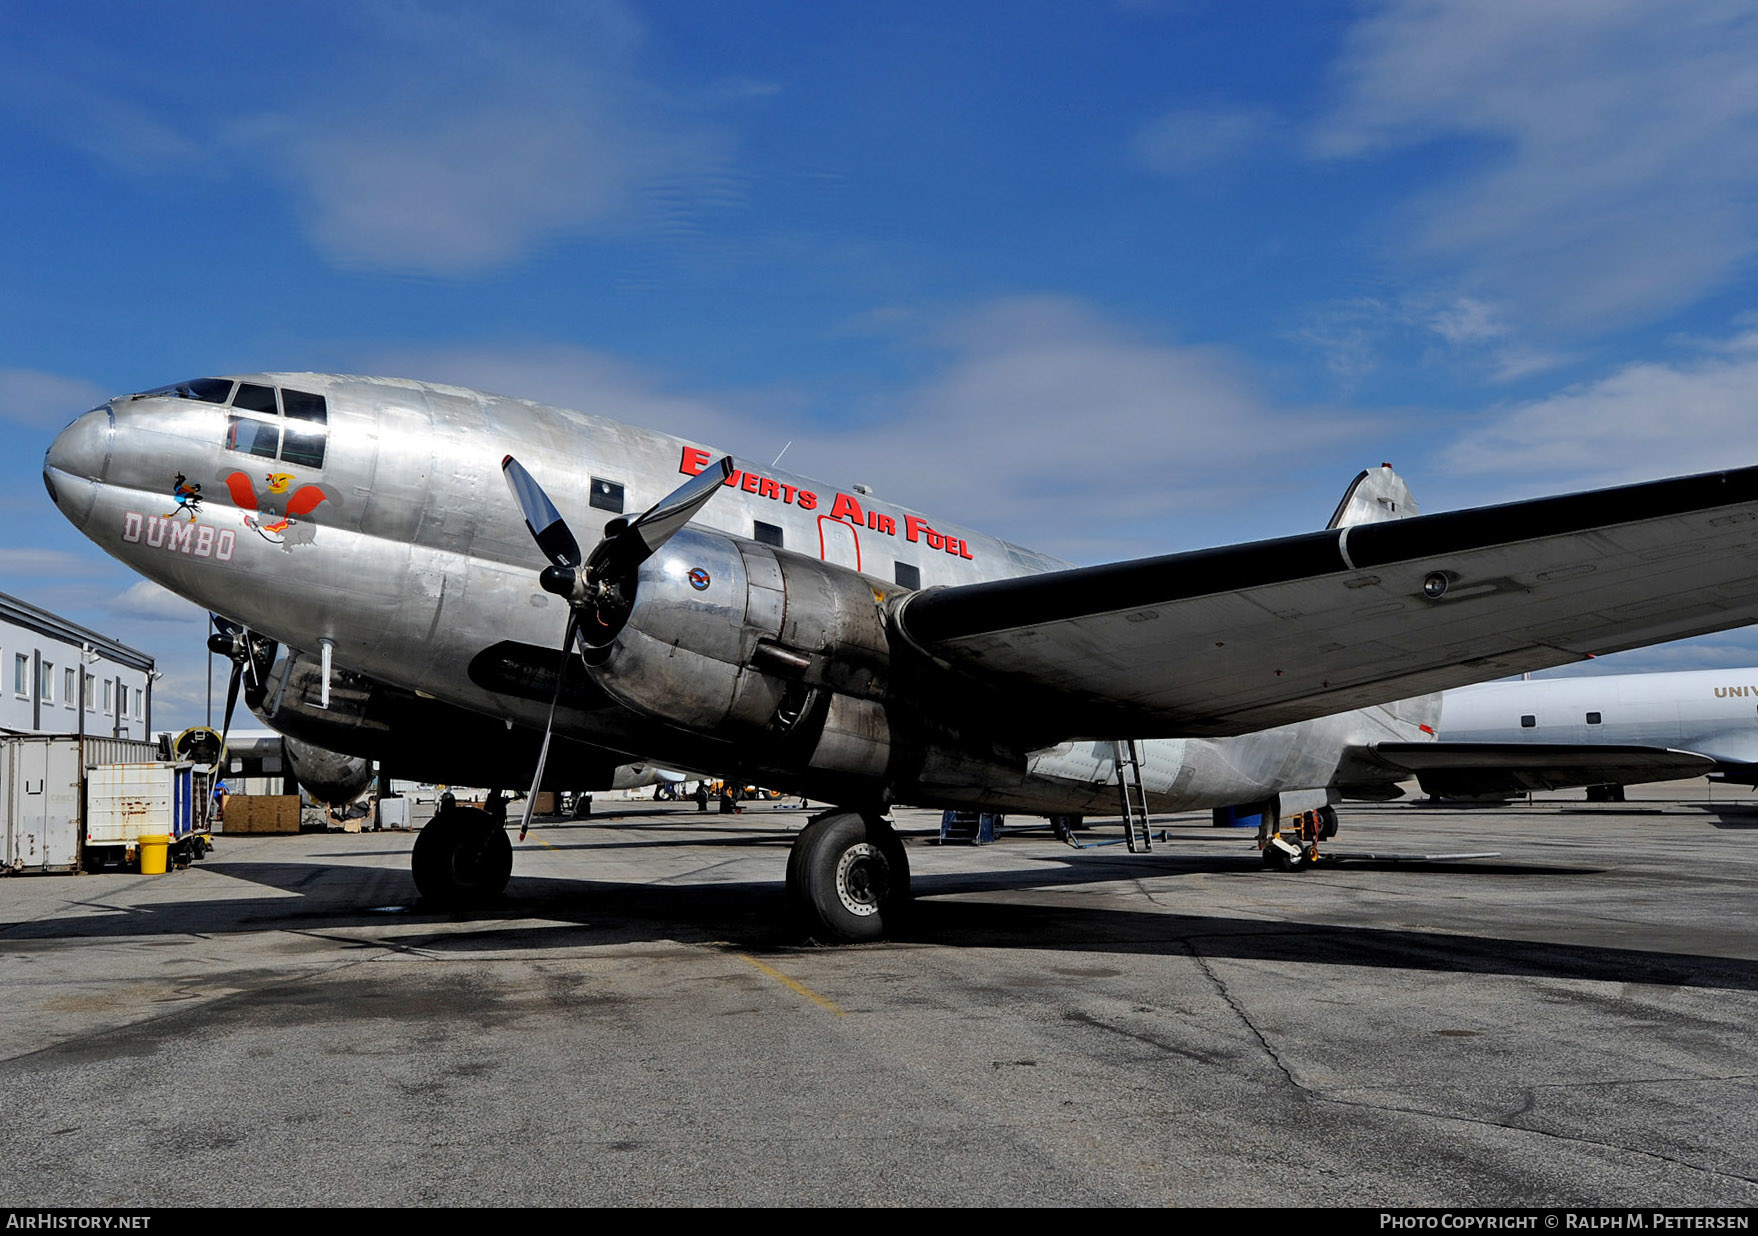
(39, 791)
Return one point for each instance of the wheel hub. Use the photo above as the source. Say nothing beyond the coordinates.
(863, 878)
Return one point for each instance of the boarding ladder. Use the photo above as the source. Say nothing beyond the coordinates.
(1132, 796)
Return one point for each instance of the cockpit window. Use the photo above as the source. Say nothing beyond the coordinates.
(294, 430)
(253, 398)
(246, 433)
(303, 446)
(305, 407)
(207, 390)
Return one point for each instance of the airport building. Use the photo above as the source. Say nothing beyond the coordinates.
(57, 677)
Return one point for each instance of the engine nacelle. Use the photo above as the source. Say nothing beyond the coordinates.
(736, 639)
(328, 776)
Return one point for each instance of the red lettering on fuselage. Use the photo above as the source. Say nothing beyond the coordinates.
(845, 507)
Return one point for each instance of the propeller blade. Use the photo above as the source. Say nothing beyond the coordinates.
(640, 538)
(549, 725)
(231, 703)
(547, 527)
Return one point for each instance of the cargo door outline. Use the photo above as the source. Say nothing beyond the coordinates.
(842, 548)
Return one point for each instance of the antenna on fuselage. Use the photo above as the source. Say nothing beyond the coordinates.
(777, 459)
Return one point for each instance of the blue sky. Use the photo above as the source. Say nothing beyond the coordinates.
(1107, 279)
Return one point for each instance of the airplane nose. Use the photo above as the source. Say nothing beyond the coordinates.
(76, 462)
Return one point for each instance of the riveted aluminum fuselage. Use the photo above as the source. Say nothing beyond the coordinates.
(411, 559)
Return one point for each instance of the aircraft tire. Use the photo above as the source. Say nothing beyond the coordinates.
(1278, 859)
(848, 877)
(462, 858)
(1327, 823)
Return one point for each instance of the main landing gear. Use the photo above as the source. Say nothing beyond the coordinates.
(463, 857)
(847, 877)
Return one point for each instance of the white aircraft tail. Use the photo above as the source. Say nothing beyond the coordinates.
(1373, 497)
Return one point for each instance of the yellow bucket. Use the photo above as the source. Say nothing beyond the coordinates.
(154, 848)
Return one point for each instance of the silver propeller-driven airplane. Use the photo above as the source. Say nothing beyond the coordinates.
(396, 563)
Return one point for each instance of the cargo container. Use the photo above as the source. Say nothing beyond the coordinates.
(39, 792)
(124, 801)
(39, 795)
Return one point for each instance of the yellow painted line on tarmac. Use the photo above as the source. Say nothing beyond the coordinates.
(803, 990)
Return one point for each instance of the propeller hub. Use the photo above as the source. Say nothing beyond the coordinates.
(560, 580)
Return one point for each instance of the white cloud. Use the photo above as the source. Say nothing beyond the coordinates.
(50, 564)
(1197, 141)
(1464, 334)
(429, 138)
(1052, 425)
(1617, 144)
(45, 400)
(1646, 420)
(155, 604)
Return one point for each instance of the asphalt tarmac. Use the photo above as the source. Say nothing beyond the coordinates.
(1569, 1023)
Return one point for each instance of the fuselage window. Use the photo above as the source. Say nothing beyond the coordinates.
(766, 534)
(909, 576)
(1528, 721)
(607, 495)
(1592, 718)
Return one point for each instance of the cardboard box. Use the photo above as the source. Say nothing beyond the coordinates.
(262, 813)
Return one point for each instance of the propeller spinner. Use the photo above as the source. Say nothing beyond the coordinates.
(598, 589)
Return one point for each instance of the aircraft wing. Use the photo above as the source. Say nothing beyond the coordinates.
(1226, 641)
(1486, 769)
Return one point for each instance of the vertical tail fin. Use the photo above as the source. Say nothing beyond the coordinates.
(1374, 497)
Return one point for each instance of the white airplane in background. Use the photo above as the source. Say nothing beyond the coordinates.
(1498, 739)
(380, 582)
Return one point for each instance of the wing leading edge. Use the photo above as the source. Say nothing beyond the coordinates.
(1226, 641)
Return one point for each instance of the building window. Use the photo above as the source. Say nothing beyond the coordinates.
(607, 496)
(21, 675)
(766, 534)
(91, 693)
(69, 691)
(121, 700)
(109, 695)
(1592, 718)
(137, 696)
(908, 576)
(1528, 721)
(47, 682)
